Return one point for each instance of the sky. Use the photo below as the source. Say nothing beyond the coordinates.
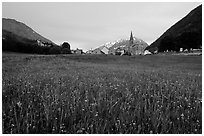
(87, 25)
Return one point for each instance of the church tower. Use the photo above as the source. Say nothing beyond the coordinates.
(130, 43)
(131, 39)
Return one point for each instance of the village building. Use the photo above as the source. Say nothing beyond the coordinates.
(105, 50)
(40, 43)
(97, 51)
(77, 51)
(100, 50)
(146, 52)
(119, 51)
(89, 52)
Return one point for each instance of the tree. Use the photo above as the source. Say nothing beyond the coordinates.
(66, 48)
(66, 45)
(66, 51)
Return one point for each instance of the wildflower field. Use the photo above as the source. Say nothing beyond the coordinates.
(101, 94)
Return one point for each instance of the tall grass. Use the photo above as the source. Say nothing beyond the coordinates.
(101, 94)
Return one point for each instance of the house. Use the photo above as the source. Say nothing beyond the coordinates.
(43, 44)
(89, 52)
(97, 51)
(100, 50)
(40, 43)
(104, 50)
(77, 51)
(146, 52)
(119, 51)
(156, 51)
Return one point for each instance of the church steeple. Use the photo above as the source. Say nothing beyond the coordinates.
(131, 38)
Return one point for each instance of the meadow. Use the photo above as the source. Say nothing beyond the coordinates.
(101, 94)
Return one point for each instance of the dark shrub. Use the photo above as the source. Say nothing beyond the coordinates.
(55, 50)
(66, 51)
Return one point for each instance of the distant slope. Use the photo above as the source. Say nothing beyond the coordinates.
(22, 30)
(18, 37)
(14, 43)
(189, 26)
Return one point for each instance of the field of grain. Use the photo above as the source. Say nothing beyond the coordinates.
(101, 94)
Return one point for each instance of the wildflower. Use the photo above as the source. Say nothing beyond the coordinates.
(19, 104)
(53, 129)
(81, 130)
(96, 115)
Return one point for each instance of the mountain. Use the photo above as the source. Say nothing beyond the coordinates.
(108, 44)
(18, 37)
(136, 48)
(101, 47)
(14, 43)
(186, 33)
(22, 30)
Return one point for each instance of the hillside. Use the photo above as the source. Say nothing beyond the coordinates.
(14, 43)
(22, 30)
(18, 37)
(186, 33)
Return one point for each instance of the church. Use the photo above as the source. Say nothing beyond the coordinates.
(136, 46)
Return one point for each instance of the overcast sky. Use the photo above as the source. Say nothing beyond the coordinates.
(89, 25)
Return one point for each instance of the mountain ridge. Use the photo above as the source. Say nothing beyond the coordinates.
(110, 44)
(22, 30)
(192, 22)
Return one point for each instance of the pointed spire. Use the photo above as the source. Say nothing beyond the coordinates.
(131, 38)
